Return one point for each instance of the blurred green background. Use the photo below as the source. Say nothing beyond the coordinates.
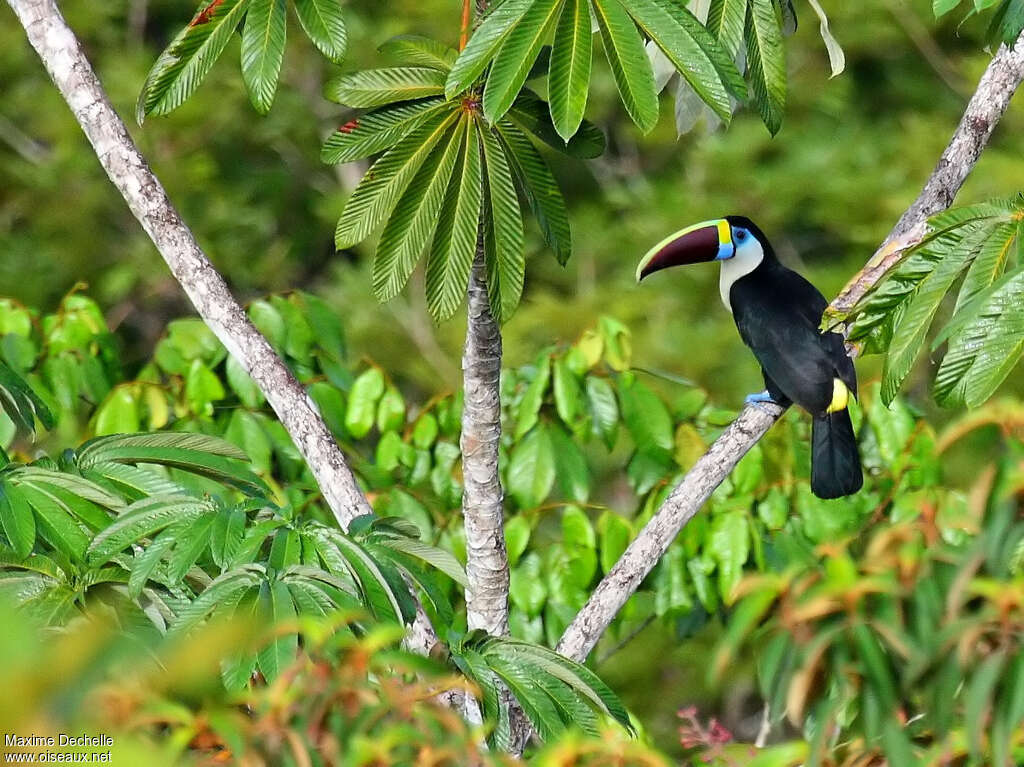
(852, 154)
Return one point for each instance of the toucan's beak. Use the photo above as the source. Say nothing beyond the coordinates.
(706, 241)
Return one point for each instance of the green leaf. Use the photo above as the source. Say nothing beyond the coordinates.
(568, 396)
(978, 700)
(527, 414)
(202, 388)
(987, 347)
(279, 653)
(537, 706)
(942, 7)
(629, 63)
(382, 186)
(531, 469)
(517, 536)
(614, 535)
(119, 413)
(17, 520)
(514, 59)
(766, 62)
(142, 519)
(378, 130)
(137, 447)
(671, 596)
(54, 523)
(729, 544)
(694, 52)
(263, 37)
(989, 263)
(725, 22)
(503, 230)
(645, 415)
(532, 115)
(241, 384)
(182, 66)
(527, 588)
(324, 24)
(454, 245)
(915, 317)
(391, 410)
(421, 51)
(376, 87)
(570, 466)
(362, 402)
(415, 219)
(569, 70)
(540, 189)
(604, 409)
(483, 44)
(836, 57)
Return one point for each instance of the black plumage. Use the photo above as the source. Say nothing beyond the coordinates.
(778, 313)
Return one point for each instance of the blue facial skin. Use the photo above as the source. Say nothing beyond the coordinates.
(728, 249)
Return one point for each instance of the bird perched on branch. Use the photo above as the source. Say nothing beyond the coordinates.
(778, 314)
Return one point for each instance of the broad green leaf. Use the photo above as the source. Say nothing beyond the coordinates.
(503, 230)
(536, 704)
(694, 52)
(17, 520)
(263, 37)
(279, 653)
(989, 263)
(380, 189)
(486, 40)
(362, 402)
(376, 87)
(569, 70)
(514, 59)
(54, 523)
(942, 7)
(671, 595)
(987, 346)
(527, 588)
(119, 413)
(425, 431)
(454, 245)
(1007, 22)
(568, 395)
(21, 404)
(182, 66)
(531, 114)
(390, 410)
(410, 228)
(377, 130)
(604, 409)
(645, 415)
(570, 466)
(202, 388)
(529, 406)
(540, 189)
(324, 24)
(517, 536)
(629, 62)
(614, 535)
(531, 469)
(420, 51)
(766, 62)
(729, 544)
(137, 447)
(194, 540)
(436, 557)
(978, 699)
(726, 19)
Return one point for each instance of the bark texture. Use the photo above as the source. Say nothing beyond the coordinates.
(71, 72)
(1001, 78)
(486, 558)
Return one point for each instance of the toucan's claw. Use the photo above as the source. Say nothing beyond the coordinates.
(761, 398)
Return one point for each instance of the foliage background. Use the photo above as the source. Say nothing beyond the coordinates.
(852, 153)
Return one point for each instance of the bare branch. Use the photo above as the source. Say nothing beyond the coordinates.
(486, 558)
(71, 72)
(986, 107)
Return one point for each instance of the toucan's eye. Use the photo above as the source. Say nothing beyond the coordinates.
(741, 235)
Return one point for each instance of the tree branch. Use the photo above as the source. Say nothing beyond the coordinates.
(1002, 77)
(71, 72)
(486, 558)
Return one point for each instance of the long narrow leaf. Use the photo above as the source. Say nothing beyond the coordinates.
(454, 243)
(376, 87)
(569, 70)
(628, 60)
(766, 62)
(324, 24)
(486, 40)
(725, 21)
(503, 232)
(420, 51)
(263, 38)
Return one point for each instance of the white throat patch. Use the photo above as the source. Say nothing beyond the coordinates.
(748, 256)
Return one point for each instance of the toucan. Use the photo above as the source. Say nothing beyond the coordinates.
(778, 314)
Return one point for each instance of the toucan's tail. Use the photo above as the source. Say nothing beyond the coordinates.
(835, 460)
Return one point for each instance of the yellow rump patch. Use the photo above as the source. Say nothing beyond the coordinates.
(840, 396)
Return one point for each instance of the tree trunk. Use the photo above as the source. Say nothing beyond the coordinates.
(486, 558)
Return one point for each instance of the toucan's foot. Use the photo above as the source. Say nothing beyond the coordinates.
(759, 399)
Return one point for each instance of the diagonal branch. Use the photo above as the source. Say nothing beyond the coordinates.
(74, 77)
(1004, 73)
